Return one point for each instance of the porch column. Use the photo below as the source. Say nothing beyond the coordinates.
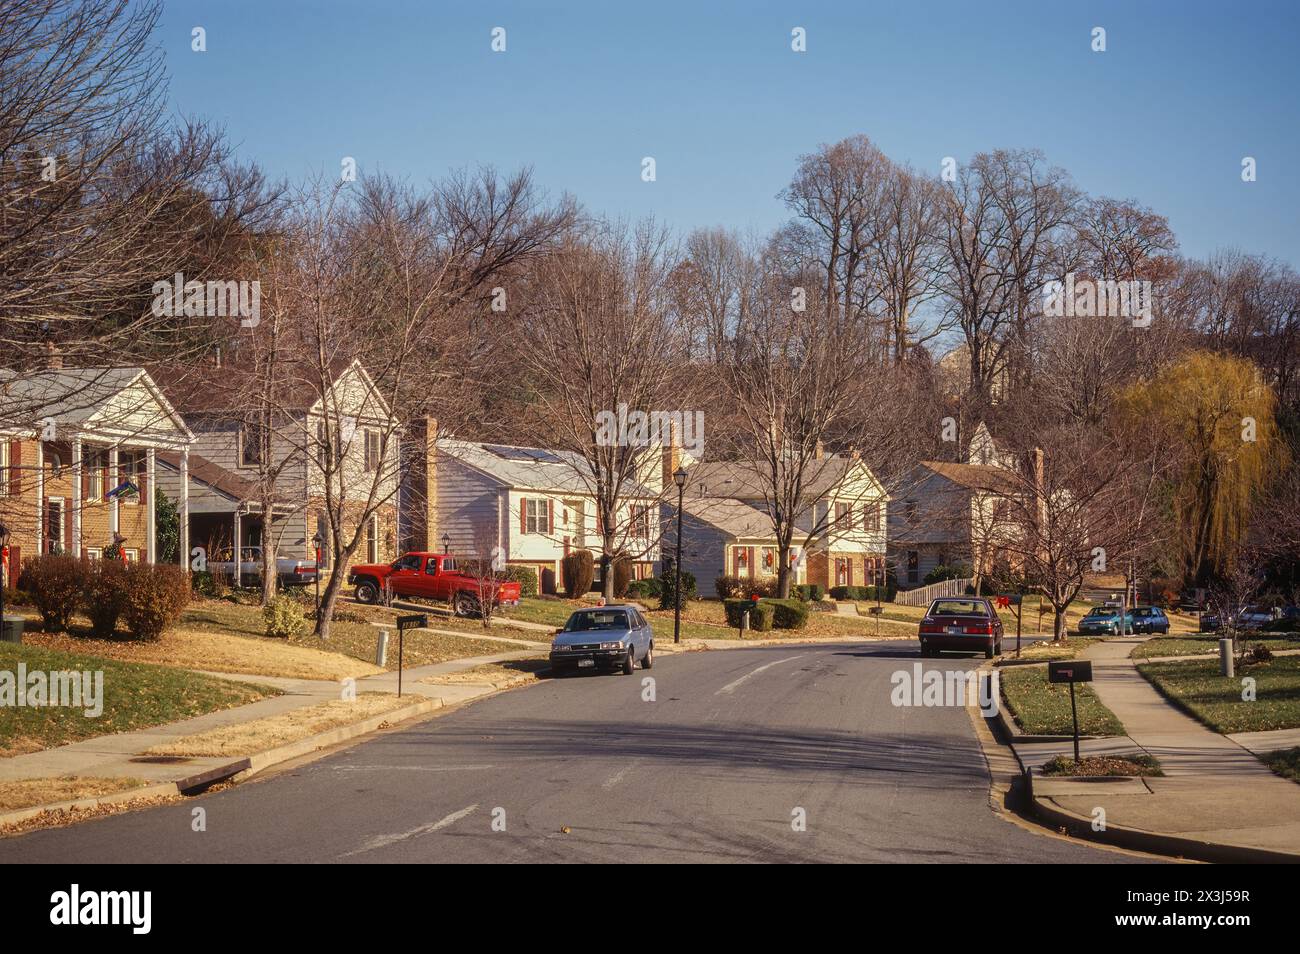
(238, 549)
(114, 515)
(40, 494)
(183, 509)
(76, 496)
(151, 511)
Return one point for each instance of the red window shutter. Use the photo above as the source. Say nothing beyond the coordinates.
(523, 514)
(14, 570)
(85, 475)
(142, 479)
(15, 467)
(550, 516)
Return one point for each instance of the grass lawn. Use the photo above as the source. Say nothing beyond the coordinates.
(135, 696)
(1285, 763)
(1043, 708)
(1098, 766)
(707, 619)
(1196, 687)
(26, 792)
(1045, 652)
(1196, 645)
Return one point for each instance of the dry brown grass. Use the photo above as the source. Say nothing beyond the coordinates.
(27, 792)
(262, 734)
(498, 675)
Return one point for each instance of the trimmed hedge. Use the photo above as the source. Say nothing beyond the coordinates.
(808, 592)
(577, 571)
(668, 581)
(525, 576)
(762, 615)
(865, 593)
(789, 614)
(56, 584)
(939, 574)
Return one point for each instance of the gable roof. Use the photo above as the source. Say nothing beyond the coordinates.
(745, 480)
(982, 477)
(733, 517)
(527, 468)
(223, 481)
(83, 398)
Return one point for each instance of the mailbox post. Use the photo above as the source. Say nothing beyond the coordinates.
(414, 621)
(1071, 671)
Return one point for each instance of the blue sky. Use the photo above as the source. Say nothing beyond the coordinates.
(713, 92)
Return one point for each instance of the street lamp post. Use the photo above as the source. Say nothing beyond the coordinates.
(446, 544)
(318, 542)
(4, 563)
(679, 478)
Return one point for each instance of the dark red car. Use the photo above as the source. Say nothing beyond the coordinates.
(966, 624)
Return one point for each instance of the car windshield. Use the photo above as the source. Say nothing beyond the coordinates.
(589, 620)
(958, 608)
(1100, 613)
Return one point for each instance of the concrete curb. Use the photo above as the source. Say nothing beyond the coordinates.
(240, 768)
(1017, 734)
(1138, 839)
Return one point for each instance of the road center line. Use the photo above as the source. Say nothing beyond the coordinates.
(732, 686)
(383, 841)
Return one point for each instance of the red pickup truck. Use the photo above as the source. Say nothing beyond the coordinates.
(431, 576)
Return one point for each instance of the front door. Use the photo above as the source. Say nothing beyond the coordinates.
(54, 525)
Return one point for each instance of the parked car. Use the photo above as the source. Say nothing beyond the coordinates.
(1150, 619)
(289, 571)
(1104, 621)
(961, 625)
(603, 638)
(1248, 620)
(430, 576)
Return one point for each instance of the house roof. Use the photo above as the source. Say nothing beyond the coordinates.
(223, 481)
(975, 476)
(209, 388)
(744, 478)
(82, 398)
(733, 517)
(527, 468)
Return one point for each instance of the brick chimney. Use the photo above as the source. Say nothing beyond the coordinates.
(53, 359)
(418, 497)
(672, 456)
(820, 451)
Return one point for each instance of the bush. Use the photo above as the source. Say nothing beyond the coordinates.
(1283, 625)
(577, 570)
(104, 595)
(669, 581)
(621, 566)
(156, 595)
(1256, 653)
(761, 615)
(788, 614)
(644, 590)
(864, 593)
(55, 583)
(525, 576)
(284, 618)
(727, 587)
(939, 574)
(808, 592)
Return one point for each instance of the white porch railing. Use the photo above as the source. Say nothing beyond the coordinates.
(923, 595)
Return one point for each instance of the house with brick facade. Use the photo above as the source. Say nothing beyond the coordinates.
(726, 529)
(79, 449)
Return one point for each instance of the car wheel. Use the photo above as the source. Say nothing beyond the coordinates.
(629, 661)
(465, 605)
(989, 650)
(648, 659)
(367, 592)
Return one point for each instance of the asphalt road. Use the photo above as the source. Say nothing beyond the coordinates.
(735, 748)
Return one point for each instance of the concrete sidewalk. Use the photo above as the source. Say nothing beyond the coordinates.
(1216, 801)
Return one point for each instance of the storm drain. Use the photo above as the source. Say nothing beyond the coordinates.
(161, 759)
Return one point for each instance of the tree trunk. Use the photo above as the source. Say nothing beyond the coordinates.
(1059, 633)
(329, 598)
(783, 577)
(269, 578)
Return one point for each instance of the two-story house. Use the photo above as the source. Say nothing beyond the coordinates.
(839, 521)
(78, 454)
(257, 477)
(535, 505)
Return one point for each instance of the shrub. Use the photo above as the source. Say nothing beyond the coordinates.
(669, 581)
(103, 592)
(727, 587)
(156, 595)
(808, 592)
(864, 593)
(761, 615)
(645, 590)
(1283, 625)
(1257, 653)
(939, 574)
(578, 571)
(788, 614)
(284, 618)
(621, 567)
(55, 583)
(525, 576)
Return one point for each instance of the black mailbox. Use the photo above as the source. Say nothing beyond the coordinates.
(1069, 670)
(412, 622)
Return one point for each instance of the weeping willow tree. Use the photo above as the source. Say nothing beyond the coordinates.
(1215, 415)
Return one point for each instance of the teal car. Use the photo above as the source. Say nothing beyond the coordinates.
(1104, 621)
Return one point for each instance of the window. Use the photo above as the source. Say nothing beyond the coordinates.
(372, 539)
(252, 437)
(769, 559)
(132, 556)
(372, 451)
(413, 563)
(641, 523)
(913, 566)
(871, 518)
(909, 510)
(95, 466)
(4, 468)
(132, 466)
(94, 553)
(841, 512)
(536, 515)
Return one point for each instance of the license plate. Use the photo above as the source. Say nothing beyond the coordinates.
(585, 663)
(954, 630)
